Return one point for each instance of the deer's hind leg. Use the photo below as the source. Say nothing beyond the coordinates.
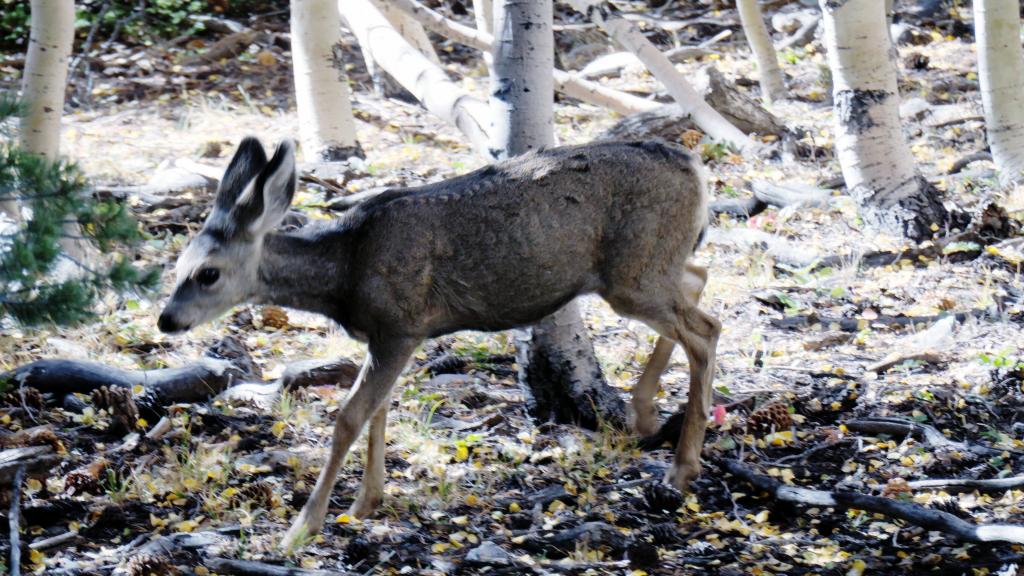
(670, 308)
(371, 489)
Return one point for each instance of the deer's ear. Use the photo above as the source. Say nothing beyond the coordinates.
(266, 200)
(248, 162)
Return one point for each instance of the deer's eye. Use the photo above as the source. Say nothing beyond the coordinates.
(207, 276)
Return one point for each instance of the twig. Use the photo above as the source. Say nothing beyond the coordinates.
(904, 427)
(916, 514)
(14, 522)
(963, 162)
(967, 484)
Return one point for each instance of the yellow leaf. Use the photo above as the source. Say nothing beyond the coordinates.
(440, 547)
(186, 526)
(461, 453)
(343, 519)
(277, 429)
(514, 507)
(856, 568)
(36, 557)
(142, 423)
(266, 58)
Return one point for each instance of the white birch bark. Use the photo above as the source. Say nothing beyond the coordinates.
(559, 365)
(565, 82)
(1001, 72)
(773, 85)
(424, 79)
(409, 28)
(877, 164)
(630, 38)
(326, 126)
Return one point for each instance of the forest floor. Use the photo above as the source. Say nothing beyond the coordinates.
(466, 462)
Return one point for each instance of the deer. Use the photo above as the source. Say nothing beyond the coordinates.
(497, 248)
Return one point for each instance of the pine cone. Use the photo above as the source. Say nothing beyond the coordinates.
(119, 403)
(896, 488)
(691, 138)
(150, 565)
(27, 396)
(662, 497)
(773, 415)
(261, 494)
(86, 479)
(274, 317)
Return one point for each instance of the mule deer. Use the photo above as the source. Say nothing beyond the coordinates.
(500, 247)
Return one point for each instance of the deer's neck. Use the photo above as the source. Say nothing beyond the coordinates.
(305, 270)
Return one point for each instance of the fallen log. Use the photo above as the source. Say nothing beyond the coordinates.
(565, 82)
(669, 121)
(250, 568)
(927, 518)
(226, 363)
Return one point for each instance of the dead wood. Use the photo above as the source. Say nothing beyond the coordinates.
(668, 122)
(904, 427)
(228, 47)
(14, 522)
(962, 163)
(250, 568)
(778, 194)
(968, 484)
(885, 320)
(741, 110)
(927, 518)
(563, 542)
(226, 363)
(303, 373)
(35, 461)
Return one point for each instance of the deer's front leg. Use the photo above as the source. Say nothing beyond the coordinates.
(384, 364)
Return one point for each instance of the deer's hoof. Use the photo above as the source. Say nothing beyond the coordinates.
(365, 505)
(681, 475)
(302, 531)
(644, 419)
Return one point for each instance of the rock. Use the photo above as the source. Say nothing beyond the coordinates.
(488, 553)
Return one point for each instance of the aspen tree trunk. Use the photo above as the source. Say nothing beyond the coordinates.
(773, 85)
(417, 74)
(483, 14)
(44, 81)
(566, 83)
(1001, 71)
(326, 126)
(42, 92)
(877, 164)
(559, 365)
(632, 39)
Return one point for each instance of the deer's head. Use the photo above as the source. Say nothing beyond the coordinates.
(220, 267)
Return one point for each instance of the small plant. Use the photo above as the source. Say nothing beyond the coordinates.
(56, 194)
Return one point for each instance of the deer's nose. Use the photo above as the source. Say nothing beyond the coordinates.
(167, 323)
